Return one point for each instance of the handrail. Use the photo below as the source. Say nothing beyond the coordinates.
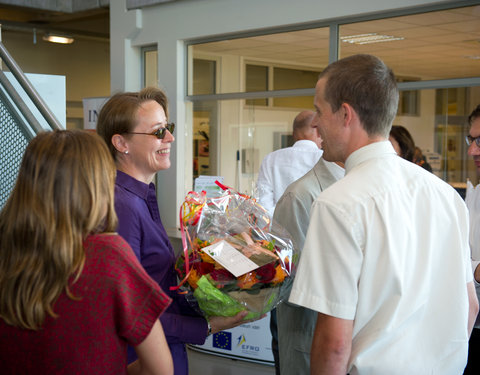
(20, 103)
(29, 89)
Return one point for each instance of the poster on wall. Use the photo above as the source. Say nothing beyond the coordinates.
(250, 342)
(91, 109)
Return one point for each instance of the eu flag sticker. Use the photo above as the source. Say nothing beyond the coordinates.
(222, 340)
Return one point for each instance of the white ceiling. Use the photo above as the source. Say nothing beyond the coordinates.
(437, 45)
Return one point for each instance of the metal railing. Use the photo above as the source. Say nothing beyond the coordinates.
(18, 125)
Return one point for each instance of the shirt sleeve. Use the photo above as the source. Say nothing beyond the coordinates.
(327, 277)
(139, 300)
(265, 189)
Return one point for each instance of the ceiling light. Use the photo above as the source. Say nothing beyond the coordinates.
(369, 38)
(57, 38)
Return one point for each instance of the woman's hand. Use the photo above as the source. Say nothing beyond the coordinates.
(220, 323)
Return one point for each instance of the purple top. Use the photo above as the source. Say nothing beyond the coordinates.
(140, 225)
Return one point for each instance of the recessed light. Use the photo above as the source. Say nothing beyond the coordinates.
(57, 38)
(369, 38)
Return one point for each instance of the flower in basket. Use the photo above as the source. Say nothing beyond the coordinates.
(234, 257)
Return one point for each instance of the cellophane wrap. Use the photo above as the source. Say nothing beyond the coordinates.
(223, 237)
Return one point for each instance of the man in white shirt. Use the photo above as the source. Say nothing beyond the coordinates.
(281, 167)
(472, 200)
(278, 170)
(393, 295)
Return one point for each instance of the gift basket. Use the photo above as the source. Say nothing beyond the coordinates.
(234, 257)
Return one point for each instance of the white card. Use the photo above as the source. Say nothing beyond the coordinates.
(230, 258)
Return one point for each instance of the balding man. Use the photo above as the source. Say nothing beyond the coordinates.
(281, 167)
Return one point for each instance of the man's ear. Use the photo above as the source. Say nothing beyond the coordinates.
(119, 143)
(348, 113)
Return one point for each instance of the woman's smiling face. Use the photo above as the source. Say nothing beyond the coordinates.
(147, 153)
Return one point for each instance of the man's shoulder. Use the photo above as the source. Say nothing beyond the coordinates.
(380, 178)
(305, 185)
(314, 182)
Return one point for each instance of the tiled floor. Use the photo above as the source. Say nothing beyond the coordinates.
(210, 364)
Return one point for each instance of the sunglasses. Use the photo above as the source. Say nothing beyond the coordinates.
(469, 139)
(160, 133)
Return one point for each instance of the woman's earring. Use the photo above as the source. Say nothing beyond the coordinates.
(126, 152)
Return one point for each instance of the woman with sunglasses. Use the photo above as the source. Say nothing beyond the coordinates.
(135, 127)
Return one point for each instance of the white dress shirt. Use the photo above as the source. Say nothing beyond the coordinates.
(387, 247)
(281, 167)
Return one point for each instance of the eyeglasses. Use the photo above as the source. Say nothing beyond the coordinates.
(469, 139)
(160, 133)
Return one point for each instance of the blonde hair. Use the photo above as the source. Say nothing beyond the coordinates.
(63, 193)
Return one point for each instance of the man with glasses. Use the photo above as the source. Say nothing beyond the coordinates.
(473, 203)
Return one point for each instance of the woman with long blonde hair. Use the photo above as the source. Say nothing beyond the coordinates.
(72, 294)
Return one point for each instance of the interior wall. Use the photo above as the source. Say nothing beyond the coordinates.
(84, 63)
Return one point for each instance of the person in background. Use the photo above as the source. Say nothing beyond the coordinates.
(472, 200)
(72, 292)
(281, 167)
(402, 142)
(421, 160)
(278, 170)
(135, 127)
(375, 274)
(404, 146)
(296, 324)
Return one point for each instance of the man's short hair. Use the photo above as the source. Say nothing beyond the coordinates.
(474, 115)
(368, 85)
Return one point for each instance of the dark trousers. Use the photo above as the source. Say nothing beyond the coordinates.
(473, 365)
(273, 330)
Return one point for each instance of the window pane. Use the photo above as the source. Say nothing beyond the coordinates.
(256, 79)
(408, 103)
(150, 68)
(307, 49)
(204, 72)
(435, 45)
(285, 79)
(231, 139)
(439, 130)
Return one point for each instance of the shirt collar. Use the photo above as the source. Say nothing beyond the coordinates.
(305, 143)
(133, 185)
(373, 150)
